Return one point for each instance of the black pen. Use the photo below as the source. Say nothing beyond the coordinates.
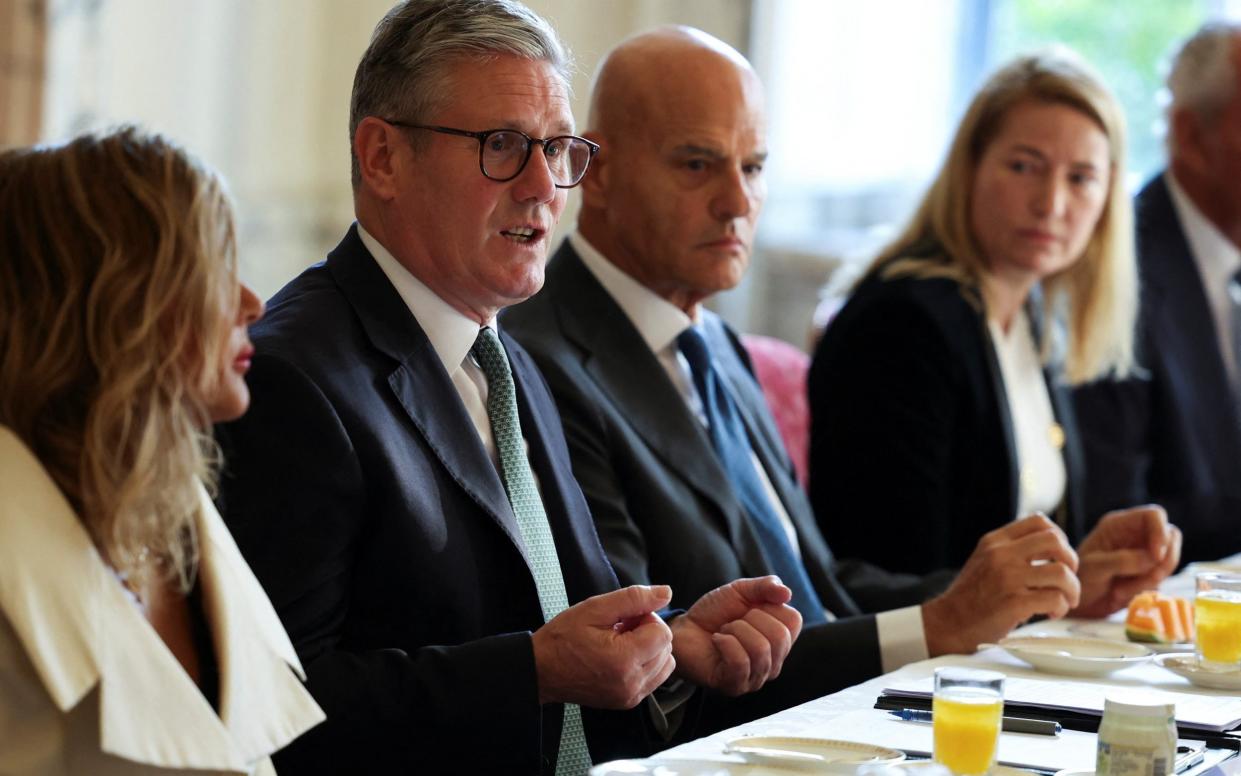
(1038, 727)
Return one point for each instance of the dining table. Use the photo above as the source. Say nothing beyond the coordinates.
(851, 714)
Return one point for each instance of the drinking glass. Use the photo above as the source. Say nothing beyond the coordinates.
(1217, 616)
(967, 708)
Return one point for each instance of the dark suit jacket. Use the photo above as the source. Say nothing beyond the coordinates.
(1173, 436)
(912, 457)
(662, 503)
(367, 506)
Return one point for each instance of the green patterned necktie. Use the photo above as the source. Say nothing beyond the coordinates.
(536, 532)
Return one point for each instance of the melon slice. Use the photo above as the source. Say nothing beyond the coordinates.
(1161, 619)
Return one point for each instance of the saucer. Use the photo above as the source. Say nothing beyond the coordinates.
(1073, 656)
(821, 755)
(1115, 631)
(1186, 664)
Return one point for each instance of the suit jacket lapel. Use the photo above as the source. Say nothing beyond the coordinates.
(1179, 315)
(576, 540)
(636, 382)
(748, 395)
(419, 381)
(262, 700)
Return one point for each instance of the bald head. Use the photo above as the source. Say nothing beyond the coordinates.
(675, 191)
(659, 67)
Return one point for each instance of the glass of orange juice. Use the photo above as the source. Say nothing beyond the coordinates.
(966, 709)
(1217, 615)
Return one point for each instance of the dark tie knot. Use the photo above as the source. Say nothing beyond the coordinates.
(489, 353)
(694, 347)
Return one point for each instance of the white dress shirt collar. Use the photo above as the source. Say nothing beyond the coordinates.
(1217, 259)
(656, 319)
(451, 332)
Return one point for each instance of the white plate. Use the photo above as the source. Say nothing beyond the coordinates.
(1115, 631)
(1076, 657)
(1186, 664)
(821, 755)
(1221, 566)
(652, 767)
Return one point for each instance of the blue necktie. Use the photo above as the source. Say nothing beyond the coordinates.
(536, 532)
(732, 445)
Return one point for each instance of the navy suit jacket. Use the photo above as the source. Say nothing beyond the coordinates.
(367, 506)
(1172, 436)
(661, 500)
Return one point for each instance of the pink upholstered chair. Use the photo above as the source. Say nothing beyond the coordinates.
(782, 370)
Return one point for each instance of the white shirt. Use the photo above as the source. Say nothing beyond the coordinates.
(1218, 259)
(1037, 436)
(659, 322)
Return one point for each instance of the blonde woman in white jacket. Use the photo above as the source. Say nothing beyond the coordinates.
(133, 637)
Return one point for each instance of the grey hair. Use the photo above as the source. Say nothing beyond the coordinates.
(402, 74)
(1202, 78)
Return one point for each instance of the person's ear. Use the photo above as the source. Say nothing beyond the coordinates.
(1189, 138)
(595, 184)
(376, 144)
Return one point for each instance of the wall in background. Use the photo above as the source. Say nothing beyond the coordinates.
(23, 44)
(261, 91)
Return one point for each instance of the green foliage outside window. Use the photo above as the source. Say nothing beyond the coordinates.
(1128, 41)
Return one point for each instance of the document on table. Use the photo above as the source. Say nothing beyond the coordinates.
(1212, 713)
(1071, 749)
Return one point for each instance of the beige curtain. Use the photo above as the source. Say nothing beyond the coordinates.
(23, 47)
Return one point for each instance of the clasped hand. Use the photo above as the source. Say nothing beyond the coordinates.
(612, 650)
(1027, 568)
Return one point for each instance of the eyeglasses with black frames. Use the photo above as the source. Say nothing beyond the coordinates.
(503, 153)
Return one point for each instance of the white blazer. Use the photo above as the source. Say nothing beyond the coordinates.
(86, 684)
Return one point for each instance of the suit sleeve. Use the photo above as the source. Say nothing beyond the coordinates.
(294, 496)
(882, 419)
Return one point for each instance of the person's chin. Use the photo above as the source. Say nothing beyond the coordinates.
(232, 406)
(524, 287)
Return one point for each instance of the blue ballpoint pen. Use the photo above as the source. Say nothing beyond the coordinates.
(1011, 724)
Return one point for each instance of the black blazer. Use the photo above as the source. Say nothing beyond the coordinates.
(661, 501)
(1172, 436)
(912, 457)
(368, 508)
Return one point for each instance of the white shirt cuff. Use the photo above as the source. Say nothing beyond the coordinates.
(901, 639)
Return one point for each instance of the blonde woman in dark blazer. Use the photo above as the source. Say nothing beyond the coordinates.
(936, 392)
(133, 637)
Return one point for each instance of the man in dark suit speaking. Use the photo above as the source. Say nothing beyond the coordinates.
(1173, 435)
(671, 439)
(401, 486)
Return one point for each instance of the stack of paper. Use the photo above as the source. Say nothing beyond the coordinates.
(1066, 698)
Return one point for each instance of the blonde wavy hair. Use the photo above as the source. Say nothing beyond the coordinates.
(1096, 297)
(117, 277)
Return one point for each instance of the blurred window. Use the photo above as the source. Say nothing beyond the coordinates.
(863, 97)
